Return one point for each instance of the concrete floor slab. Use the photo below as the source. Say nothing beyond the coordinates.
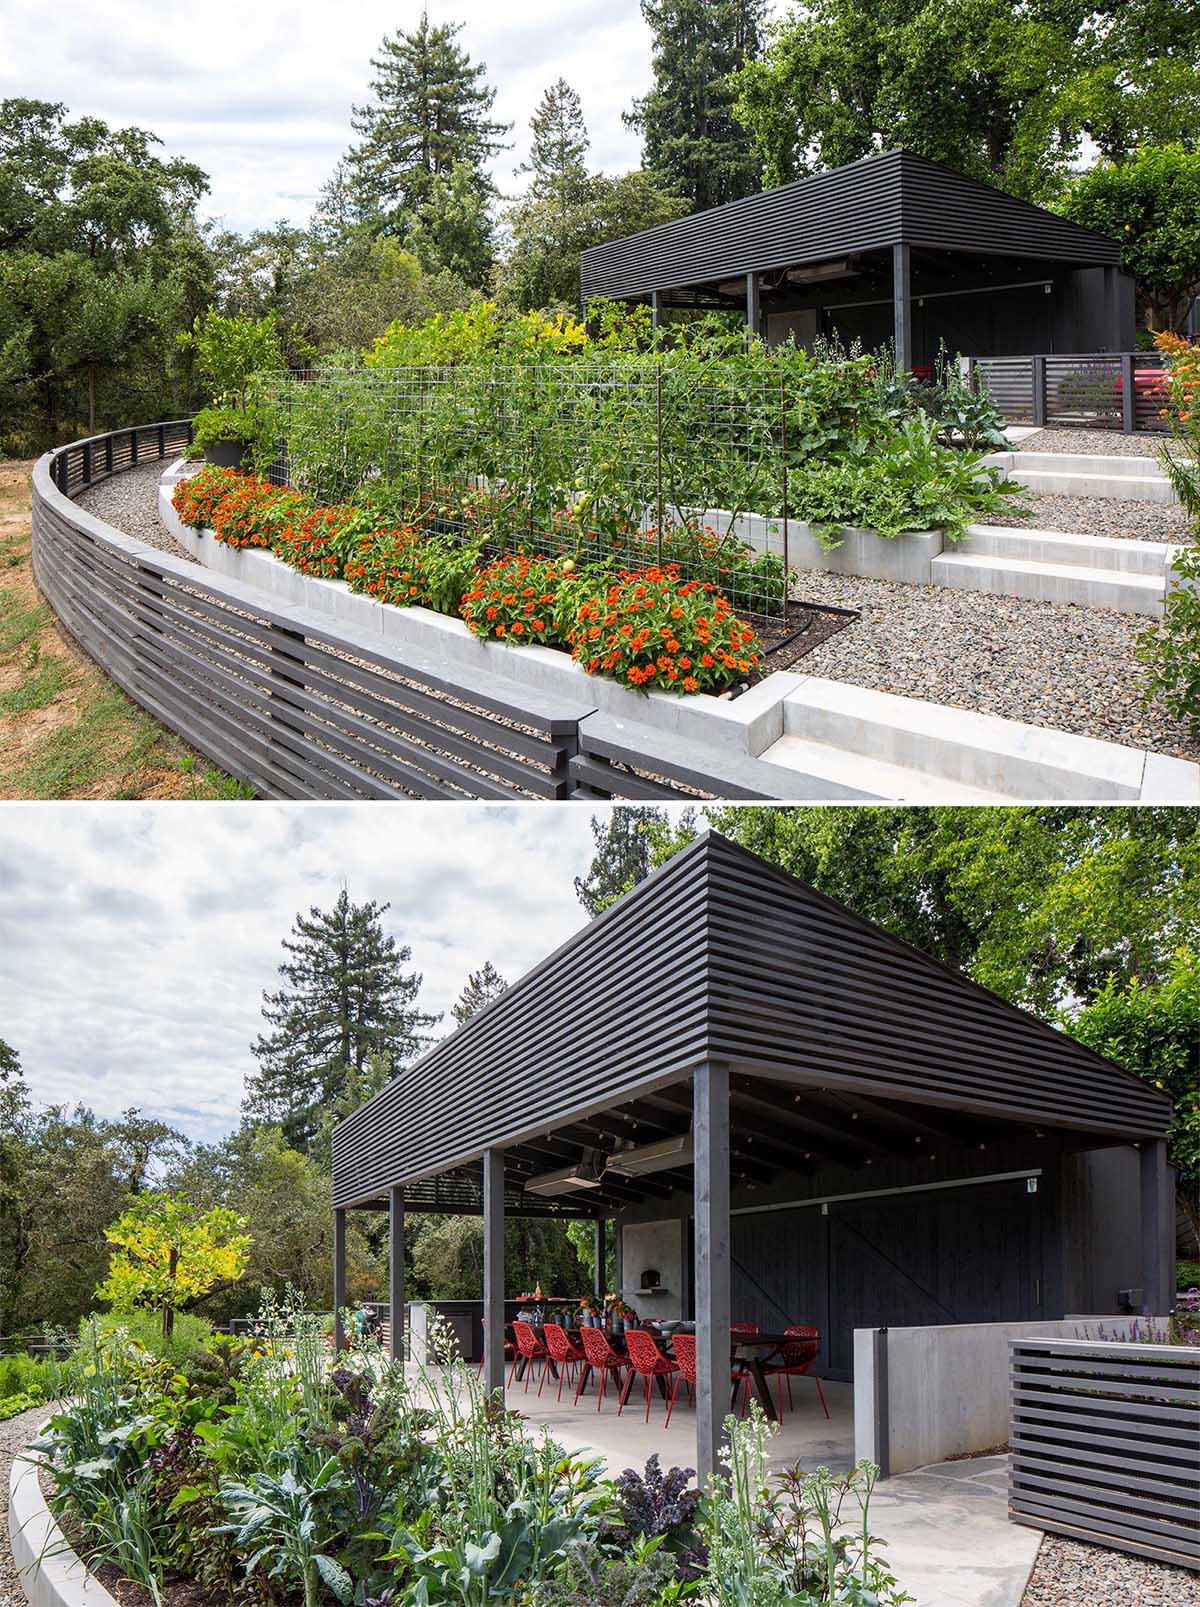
(943, 1529)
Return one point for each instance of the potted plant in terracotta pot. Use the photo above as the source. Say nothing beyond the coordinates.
(229, 352)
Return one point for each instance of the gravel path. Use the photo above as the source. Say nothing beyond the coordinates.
(14, 1436)
(1097, 516)
(1051, 664)
(130, 502)
(1068, 1573)
(1104, 443)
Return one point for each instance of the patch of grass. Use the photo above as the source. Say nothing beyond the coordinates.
(75, 756)
(66, 731)
(18, 624)
(45, 679)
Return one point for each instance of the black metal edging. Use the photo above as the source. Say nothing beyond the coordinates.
(879, 1396)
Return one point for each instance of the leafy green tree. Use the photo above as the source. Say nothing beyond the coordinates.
(284, 1198)
(447, 1258)
(167, 1255)
(101, 262)
(691, 140)
(230, 351)
(480, 989)
(1003, 93)
(345, 999)
(453, 231)
(623, 855)
(1136, 79)
(546, 240)
(1151, 204)
(430, 112)
(1153, 1029)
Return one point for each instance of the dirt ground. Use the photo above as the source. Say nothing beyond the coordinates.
(66, 731)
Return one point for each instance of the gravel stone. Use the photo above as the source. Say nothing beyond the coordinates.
(1097, 516)
(1050, 664)
(1068, 1573)
(1104, 443)
(14, 1437)
(129, 501)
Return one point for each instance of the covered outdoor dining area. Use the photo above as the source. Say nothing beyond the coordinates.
(794, 1129)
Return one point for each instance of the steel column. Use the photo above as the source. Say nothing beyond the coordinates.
(655, 309)
(600, 1229)
(618, 1254)
(1158, 1227)
(710, 1094)
(493, 1270)
(396, 1272)
(1128, 395)
(902, 303)
(752, 312)
(339, 1279)
(1038, 365)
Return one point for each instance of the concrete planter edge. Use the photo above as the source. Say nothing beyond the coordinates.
(51, 1573)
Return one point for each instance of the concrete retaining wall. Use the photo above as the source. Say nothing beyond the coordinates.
(946, 1388)
(51, 1574)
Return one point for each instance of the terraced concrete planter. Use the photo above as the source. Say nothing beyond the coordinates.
(857, 552)
(51, 1574)
(790, 737)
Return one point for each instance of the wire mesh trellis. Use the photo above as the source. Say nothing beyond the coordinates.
(631, 463)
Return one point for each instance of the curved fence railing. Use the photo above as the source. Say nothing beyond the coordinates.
(287, 702)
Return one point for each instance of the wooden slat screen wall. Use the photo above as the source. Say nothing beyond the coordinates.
(1084, 388)
(1105, 1444)
(1010, 383)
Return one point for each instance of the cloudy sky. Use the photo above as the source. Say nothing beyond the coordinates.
(260, 95)
(136, 941)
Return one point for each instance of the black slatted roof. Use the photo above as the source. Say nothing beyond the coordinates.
(867, 205)
(720, 955)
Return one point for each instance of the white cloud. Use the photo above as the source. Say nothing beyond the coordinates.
(260, 95)
(136, 941)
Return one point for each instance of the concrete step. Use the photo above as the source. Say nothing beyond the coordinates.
(908, 739)
(1062, 547)
(1121, 487)
(1086, 474)
(1129, 592)
(1122, 465)
(831, 771)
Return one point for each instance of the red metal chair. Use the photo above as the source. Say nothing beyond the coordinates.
(564, 1352)
(795, 1359)
(684, 1347)
(533, 1350)
(600, 1358)
(647, 1361)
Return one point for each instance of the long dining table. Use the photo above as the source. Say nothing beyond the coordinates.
(751, 1351)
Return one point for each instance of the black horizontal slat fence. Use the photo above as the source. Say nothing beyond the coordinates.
(1105, 1440)
(284, 702)
(1124, 391)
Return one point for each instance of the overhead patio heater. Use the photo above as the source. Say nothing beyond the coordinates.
(586, 1173)
(660, 1156)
